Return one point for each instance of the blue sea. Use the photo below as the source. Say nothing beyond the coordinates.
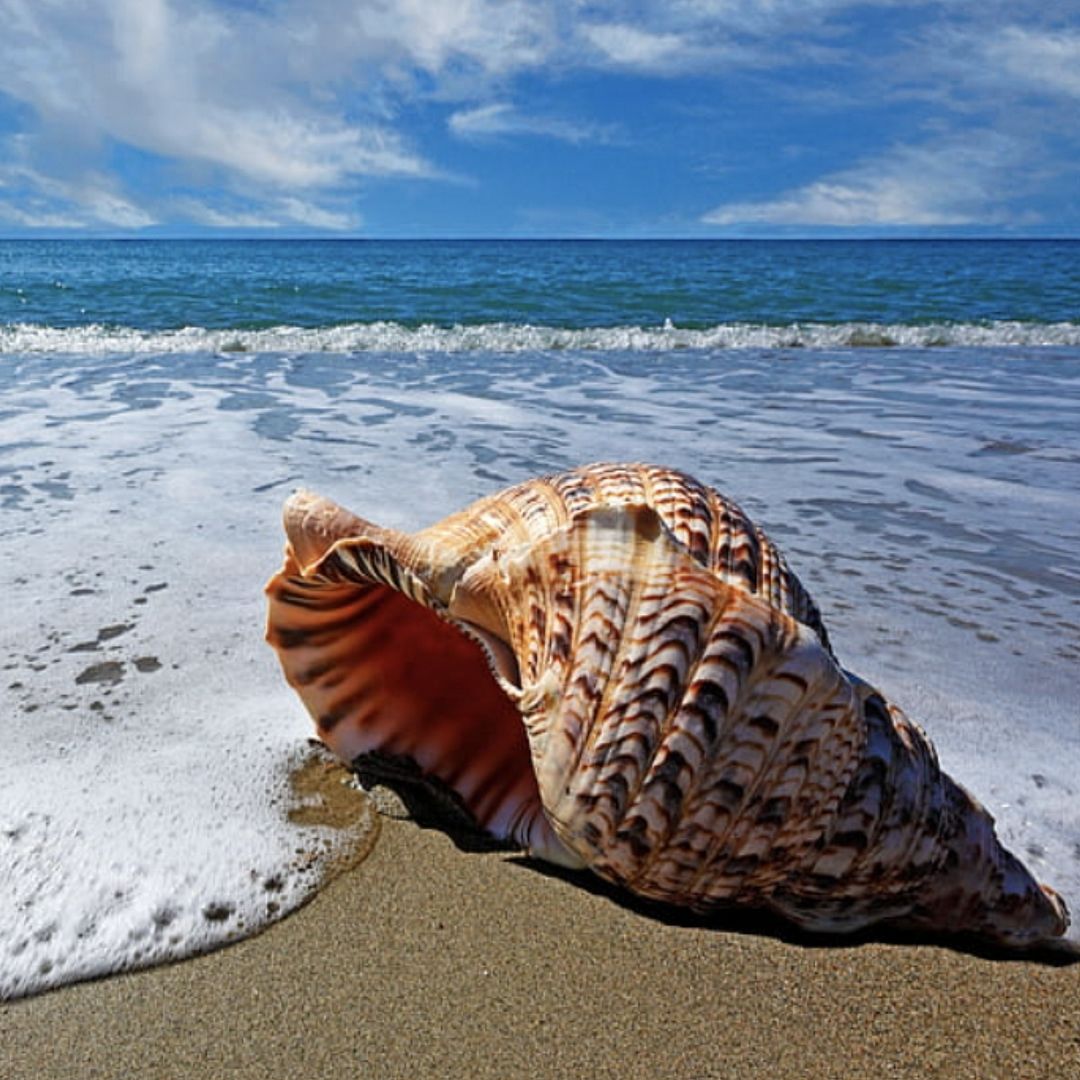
(902, 416)
(519, 295)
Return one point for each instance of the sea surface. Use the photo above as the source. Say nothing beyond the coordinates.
(902, 416)
(346, 296)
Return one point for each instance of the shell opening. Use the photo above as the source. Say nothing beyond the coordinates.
(379, 672)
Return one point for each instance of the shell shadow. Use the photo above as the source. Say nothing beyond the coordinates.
(429, 804)
(424, 800)
(757, 922)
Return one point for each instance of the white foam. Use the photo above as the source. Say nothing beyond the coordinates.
(147, 739)
(99, 340)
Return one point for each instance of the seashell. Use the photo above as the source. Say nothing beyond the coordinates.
(614, 668)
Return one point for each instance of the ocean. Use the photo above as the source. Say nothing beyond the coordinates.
(903, 417)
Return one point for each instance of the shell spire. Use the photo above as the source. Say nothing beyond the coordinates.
(614, 668)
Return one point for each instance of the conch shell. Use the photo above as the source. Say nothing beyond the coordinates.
(615, 668)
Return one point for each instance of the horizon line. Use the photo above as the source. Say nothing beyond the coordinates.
(495, 238)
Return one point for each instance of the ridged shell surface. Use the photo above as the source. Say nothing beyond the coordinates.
(616, 668)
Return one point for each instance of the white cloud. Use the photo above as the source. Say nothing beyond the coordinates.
(192, 84)
(630, 46)
(674, 37)
(91, 199)
(954, 182)
(217, 217)
(37, 217)
(502, 119)
(318, 217)
(111, 208)
(1044, 60)
(268, 216)
(286, 150)
(495, 36)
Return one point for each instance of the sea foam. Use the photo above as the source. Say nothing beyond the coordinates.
(96, 340)
(148, 741)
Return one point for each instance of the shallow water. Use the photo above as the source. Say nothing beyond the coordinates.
(928, 499)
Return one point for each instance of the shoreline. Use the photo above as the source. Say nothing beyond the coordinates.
(425, 960)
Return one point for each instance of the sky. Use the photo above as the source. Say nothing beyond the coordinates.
(412, 118)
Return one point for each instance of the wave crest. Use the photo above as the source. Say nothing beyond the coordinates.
(523, 337)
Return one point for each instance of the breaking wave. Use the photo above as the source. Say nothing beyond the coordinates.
(96, 339)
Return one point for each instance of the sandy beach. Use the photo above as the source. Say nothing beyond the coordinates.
(426, 960)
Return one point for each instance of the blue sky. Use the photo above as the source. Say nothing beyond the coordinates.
(539, 117)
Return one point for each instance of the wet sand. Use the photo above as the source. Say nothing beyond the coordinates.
(426, 960)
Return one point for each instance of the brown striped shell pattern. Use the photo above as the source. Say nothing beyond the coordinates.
(613, 667)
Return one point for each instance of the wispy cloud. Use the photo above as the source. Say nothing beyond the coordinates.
(32, 216)
(318, 217)
(1045, 61)
(676, 37)
(498, 119)
(955, 182)
(283, 212)
(631, 46)
(223, 217)
(37, 200)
